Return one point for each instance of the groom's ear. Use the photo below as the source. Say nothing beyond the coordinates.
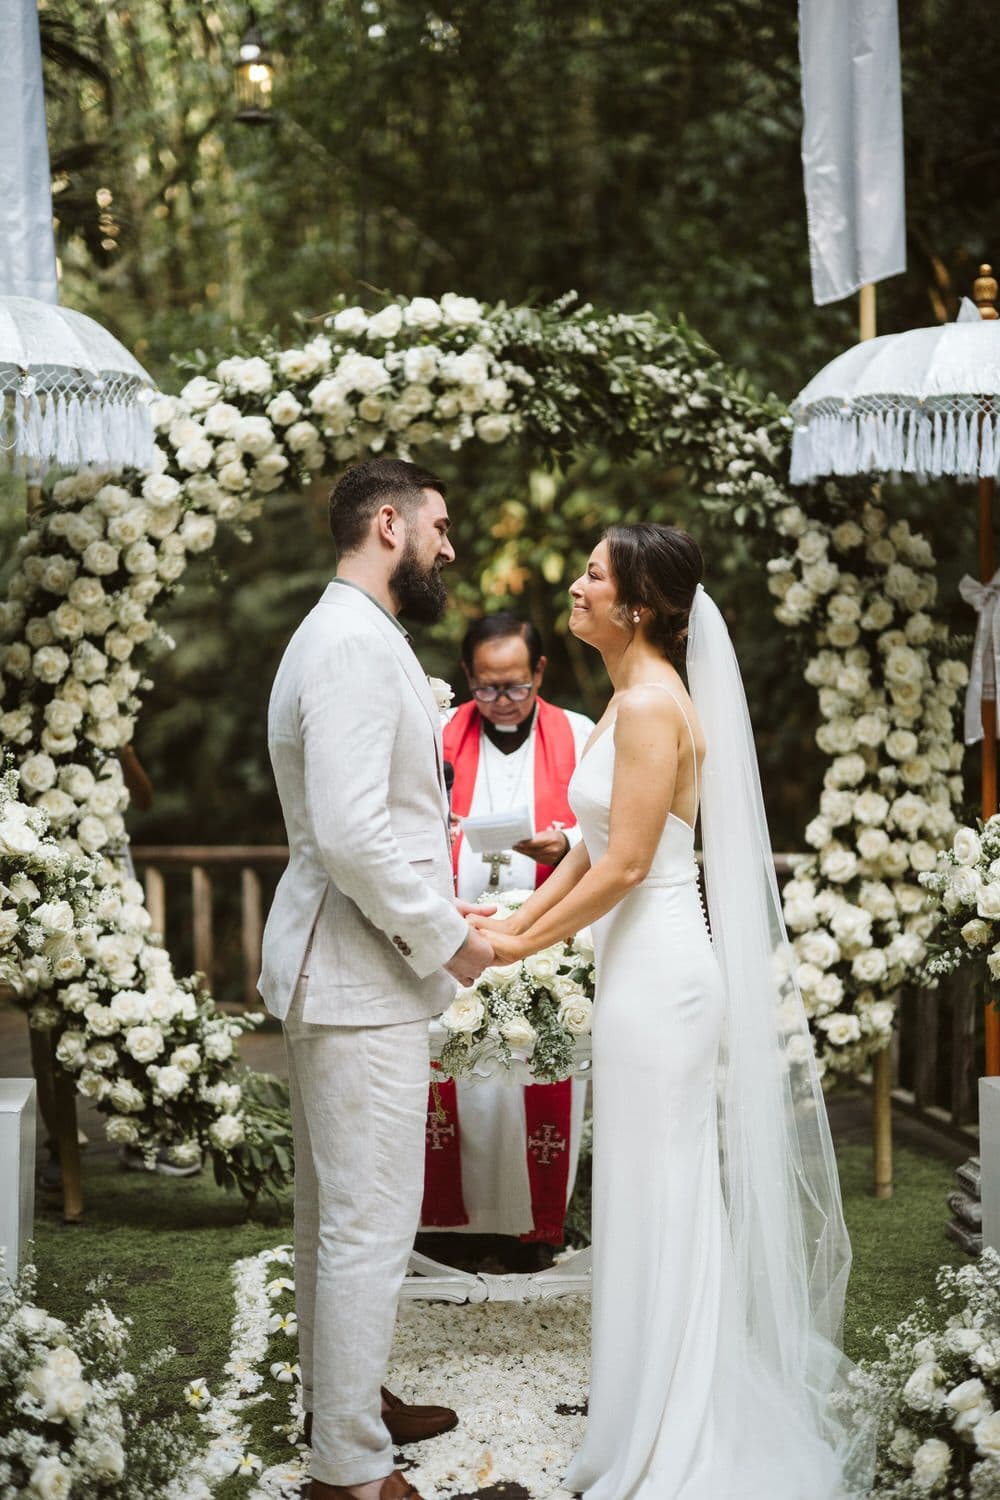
(389, 527)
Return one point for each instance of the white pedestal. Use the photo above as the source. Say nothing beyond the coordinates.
(17, 1169)
(989, 1156)
(433, 1281)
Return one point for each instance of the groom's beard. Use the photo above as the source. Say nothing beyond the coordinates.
(419, 591)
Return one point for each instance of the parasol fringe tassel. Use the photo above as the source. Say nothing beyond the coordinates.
(949, 446)
(62, 453)
(936, 463)
(987, 449)
(49, 428)
(967, 456)
(925, 439)
(27, 428)
(92, 441)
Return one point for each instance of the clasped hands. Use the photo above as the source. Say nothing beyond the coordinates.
(490, 941)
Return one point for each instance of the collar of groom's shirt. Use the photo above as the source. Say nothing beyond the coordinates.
(347, 584)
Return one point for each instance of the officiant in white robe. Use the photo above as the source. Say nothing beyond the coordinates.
(503, 1158)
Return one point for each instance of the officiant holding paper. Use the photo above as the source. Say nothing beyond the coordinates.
(503, 1160)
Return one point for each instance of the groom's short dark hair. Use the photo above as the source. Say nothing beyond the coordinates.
(361, 489)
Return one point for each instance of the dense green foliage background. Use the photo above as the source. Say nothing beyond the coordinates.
(645, 154)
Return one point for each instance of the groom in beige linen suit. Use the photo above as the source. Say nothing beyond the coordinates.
(363, 944)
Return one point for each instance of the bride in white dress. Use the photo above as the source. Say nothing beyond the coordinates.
(720, 1253)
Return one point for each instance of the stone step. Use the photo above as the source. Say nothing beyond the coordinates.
(968, 1211)
(969, 1176)
(968, 1239)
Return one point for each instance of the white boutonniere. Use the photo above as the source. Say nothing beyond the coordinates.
(444, 693)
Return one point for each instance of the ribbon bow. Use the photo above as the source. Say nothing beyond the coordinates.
(984, 671)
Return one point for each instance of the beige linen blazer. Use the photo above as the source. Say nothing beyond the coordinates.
(354, 737)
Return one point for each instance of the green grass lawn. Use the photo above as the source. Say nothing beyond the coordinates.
(167, 1246)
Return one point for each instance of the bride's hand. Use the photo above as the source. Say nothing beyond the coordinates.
(508, 947)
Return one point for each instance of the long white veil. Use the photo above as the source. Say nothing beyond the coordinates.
(790, 1245)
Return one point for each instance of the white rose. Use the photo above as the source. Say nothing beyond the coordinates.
(988, 900)
(283, 409)
(422, 312)
(301, 435)
(218, 1045)
(351, 320)
(71, 1050)
(220, 420)
(251, 376)
(197, 532)
(144, 1043)
(55, 917)
(227, 1131)
(818, 948)
(169, 1081)
(254, 435)
(576, 1012)
(966, 847)
(840, 1029)
(493, 428)
(460, 312)
(92, 834)
(233, 476)
(869, 967)
(839, 864)
(129, 1008)
(465, 1013)
(542, 966)
(37, 773)
(986, 1435)
(518, 1032)
(921, 1391)
(362, 373)
(50, 664)
(50, 1479)
(126, 1097)
(977, 933)
(387, 323)
(187, 1057)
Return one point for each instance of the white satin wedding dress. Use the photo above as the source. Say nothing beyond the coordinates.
(680, 1406)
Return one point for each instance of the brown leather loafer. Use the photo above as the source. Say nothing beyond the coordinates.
(413, 1424)
(396, 1487)
(406, 1424)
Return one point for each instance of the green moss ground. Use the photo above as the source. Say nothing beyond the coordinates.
(167, 1247)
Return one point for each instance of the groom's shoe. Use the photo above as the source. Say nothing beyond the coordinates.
(412, 1424)
(406, 1424)
(396, 1487)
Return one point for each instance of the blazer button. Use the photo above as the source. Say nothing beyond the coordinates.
(403, 947)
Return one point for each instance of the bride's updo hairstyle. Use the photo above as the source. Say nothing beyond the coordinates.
(658, 568)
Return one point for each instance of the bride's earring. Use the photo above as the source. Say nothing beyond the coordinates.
(636, 617)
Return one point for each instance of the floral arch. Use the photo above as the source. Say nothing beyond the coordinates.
(100, 554)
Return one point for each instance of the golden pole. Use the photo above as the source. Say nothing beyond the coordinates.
(882, 1061)
(984, 294)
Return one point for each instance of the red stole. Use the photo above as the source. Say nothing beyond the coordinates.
(547, 1107)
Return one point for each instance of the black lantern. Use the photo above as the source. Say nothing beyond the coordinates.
(254, 78)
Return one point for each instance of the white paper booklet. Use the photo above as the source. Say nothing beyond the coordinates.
(493, 832)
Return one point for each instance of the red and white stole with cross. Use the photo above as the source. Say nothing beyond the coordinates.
(547, 1106)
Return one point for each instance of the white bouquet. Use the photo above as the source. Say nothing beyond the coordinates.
(68, 1426)
(46, 896)
(533, 1009)
(966, 887)
(935, 1394)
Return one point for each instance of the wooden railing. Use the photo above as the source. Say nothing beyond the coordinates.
(935, 1055)
(206, 865)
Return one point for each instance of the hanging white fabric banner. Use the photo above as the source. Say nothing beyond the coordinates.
(27, 244)
(852, 143)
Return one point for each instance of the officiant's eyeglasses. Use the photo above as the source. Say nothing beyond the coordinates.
(516, 692)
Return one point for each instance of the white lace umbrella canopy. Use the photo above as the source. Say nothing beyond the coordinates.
(70, 393)
(925, 402)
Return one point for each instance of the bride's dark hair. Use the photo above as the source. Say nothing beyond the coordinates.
(658, 567)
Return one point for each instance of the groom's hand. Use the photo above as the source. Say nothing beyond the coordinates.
(475, 955)
(469, 908)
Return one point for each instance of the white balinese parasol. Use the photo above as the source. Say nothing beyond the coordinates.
(925, 403)
(907, 403)
(71, 394)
